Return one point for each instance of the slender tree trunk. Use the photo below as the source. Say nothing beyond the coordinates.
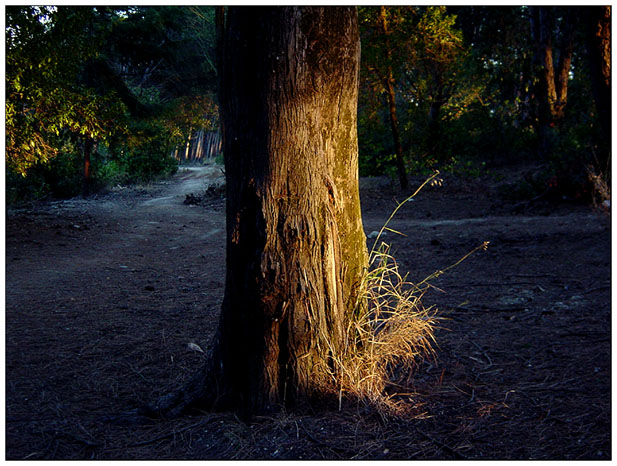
(543, 61)
(219, 20)
(87, 178)
(296, 250)
(562, 72)
(400, 162)
(434, 129)
(187, 147)
(389, 85)
(598, 34)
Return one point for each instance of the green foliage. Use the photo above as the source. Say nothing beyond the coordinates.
(111, 172)
(433, 83)
(146, 155)
(138, 81)
(60, 177)
(219, 159)
(466, 100)
(437, 81)
(20, 188)
(374, 141)
(135, 80)
(64, 173)
(46, 47)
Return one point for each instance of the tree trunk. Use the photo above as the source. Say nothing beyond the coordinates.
(598, 34)
(400, 162)
(87, 178)
(552, 87)
(296, 250)
(543, 61)
(219, 20)
(389, 85)
(562, 72)
(434, 128)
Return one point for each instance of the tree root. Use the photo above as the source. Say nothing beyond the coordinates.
(197, 393)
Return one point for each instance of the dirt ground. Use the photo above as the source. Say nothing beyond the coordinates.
(105, 294)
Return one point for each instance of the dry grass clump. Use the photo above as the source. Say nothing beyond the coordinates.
(390, 334)
(391, 331)
(601, 189)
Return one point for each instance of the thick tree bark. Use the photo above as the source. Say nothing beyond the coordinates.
(296, 250)
(219, 21)
(389, 86)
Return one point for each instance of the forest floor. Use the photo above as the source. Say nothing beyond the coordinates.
(105, 294)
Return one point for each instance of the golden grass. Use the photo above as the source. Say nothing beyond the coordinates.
(390, 333)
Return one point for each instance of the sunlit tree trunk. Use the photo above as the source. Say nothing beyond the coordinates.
(296, 250)
(552, 87)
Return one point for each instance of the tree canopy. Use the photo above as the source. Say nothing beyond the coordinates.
(456, 87)
(474, 87)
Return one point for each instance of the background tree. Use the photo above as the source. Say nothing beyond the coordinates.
(296, 251)
(553, 35)
(380, 61)
(437, 55)
(420, 66)
(570, 123)
(598, 41)
(501, 55)
(479, 86)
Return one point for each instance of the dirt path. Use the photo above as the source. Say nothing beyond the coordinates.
(104, 295)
